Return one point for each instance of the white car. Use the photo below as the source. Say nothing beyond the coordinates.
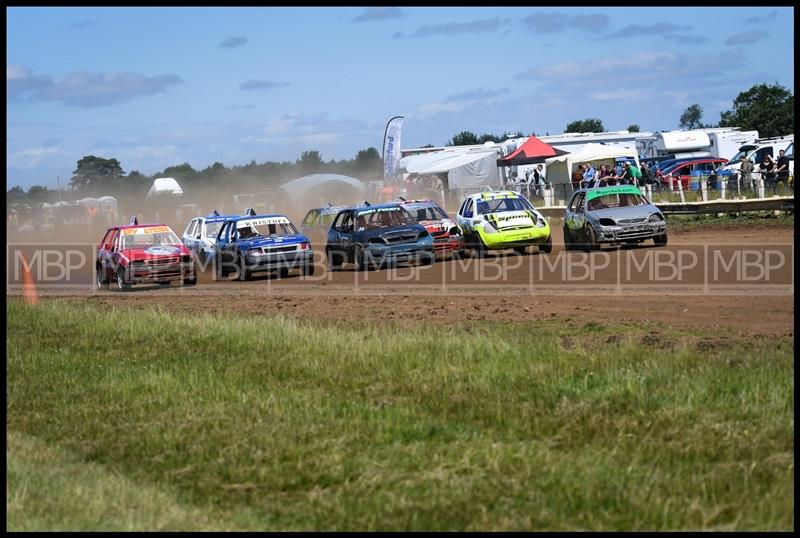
(200, 235)
(495, 220)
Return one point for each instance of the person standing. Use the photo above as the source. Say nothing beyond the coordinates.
(632, 174)
(767, 169)
(782, 167)
(588, 174)
(746, 171)
(577, 177)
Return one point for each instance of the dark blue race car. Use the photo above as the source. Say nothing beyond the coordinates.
(374, 235)
(256, 243)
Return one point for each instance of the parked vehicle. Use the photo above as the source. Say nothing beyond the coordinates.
(757, 150)
(369, 236)
(447, 237)
(689, 172)
(496, 220)
(611, 215)
(200, 235)
(141, 253)
(256, 243)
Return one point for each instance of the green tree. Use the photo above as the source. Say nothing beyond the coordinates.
(95, 173)
(464, 138)
(589, 125)
(633, 128)
(766, 108)
(428, 146)
(310, 161)
(180, 172)
(691, 117)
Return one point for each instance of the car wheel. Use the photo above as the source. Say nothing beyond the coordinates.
(334, 260)
(283, 272)
(244, 274)
(591, 240)
(478, 248)
(427, 258)
(660, 240)
(568, 245)
(308, 269)
(358, 259)
(521, 250)
(547, 246)
(122, 284)
(100, 278)
(191, 281)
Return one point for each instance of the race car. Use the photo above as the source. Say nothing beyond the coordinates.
(200, 235)
(141, 253)
(255, 243)
(317, 222)
(371, 235)
(618, 214)
(447, 237)
(493, 220)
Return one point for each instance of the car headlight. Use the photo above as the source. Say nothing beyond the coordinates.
(656, 217)
(488, 228)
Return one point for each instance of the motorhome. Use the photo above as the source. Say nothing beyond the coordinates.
(717, 142)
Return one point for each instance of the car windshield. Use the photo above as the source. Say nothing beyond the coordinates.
(265, 227)
(383, 218)
(156, 236)
(606, 201)
(502, 204)
(212, 229)
(427, 213)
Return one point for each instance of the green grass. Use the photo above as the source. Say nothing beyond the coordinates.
(151, 420)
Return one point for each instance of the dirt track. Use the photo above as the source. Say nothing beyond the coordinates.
(702, 280)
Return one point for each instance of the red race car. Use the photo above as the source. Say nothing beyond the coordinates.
(140, 253)
(447, 236)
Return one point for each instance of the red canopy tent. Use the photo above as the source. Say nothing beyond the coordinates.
(531, 151)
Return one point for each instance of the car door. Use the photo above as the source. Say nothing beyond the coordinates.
(579, 223)
(188, 238)
(464, 215)
(104, 252)
(226, 246)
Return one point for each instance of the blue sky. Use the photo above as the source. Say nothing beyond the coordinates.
(154, 87)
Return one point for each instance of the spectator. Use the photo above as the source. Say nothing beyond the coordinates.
(588, 174)
(577, 177)
(632, 174)
(647, 174)
(745, 171)
(767, 169)
(539, 179)
(783, 167)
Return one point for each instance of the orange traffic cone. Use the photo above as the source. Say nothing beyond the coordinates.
(28, 287)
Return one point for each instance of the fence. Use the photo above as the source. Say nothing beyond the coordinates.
(701, 188)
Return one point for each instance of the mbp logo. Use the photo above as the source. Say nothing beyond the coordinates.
(737, 265)
(50, 264)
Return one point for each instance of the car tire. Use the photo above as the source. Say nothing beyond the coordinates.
(358, 259)
(334, 260)
(308, 269)
(521, 250)
(568, 245)
(100, 278)
(660, 240)
(478, 248)
(122, 284)
(191, 281)
(244, 274)
(547, 246)
(427, 258)
(591, 240)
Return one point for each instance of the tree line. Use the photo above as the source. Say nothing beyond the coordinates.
(767, 108)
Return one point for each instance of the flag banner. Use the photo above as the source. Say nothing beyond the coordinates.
(391, 147)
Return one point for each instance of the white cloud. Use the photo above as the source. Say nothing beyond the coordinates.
(621, 94)
(31, 157)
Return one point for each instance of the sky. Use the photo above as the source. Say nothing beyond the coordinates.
(155, 87)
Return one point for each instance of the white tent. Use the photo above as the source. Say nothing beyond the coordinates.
(474, 168)
(560, 169)
(318, 189)
(164, 186)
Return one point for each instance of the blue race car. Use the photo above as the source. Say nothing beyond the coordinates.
(201, 234)
(256, 243)
(376, 234)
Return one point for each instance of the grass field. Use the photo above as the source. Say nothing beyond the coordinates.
(148, 420)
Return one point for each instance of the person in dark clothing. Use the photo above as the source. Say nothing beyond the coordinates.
(782, 167)
(768, 169)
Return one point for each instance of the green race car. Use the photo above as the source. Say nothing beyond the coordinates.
(497, 220)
